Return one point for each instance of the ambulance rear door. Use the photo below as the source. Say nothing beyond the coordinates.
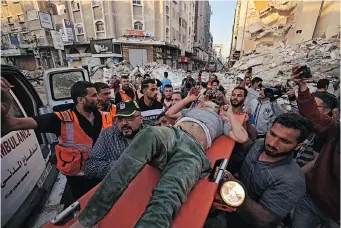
(58, 83)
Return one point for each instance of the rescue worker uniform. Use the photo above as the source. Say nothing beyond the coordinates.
(126, 95)
(109, 112)
(76, 136)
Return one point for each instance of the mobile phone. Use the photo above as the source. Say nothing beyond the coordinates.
(67, 214)
(305, 72)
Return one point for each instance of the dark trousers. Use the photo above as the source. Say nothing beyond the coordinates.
(79, 185)
(182, 162)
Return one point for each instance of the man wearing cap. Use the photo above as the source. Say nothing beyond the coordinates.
(112, 141)
(179, 152)
(150, 107)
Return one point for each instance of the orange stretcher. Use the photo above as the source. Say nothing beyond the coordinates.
(131, 205)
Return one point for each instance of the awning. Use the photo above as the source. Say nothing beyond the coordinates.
(13, 52)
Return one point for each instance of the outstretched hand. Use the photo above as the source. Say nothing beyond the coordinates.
(194, 93)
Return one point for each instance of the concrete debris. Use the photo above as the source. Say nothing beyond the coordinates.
(35, 77)
(321, 55)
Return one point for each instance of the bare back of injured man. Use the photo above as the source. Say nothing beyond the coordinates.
(179, 153)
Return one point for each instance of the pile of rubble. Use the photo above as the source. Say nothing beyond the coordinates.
(35, 77)
(274, 65)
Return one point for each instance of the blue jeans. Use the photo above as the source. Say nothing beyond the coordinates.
(307, 215)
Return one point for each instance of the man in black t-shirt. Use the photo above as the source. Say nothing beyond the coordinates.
(150, 107)
(90, 121)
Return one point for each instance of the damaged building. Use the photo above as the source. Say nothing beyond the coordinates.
(276, 23)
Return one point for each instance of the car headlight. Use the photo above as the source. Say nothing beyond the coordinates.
(232, 193)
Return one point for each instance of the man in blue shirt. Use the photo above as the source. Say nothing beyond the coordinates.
(165, 81)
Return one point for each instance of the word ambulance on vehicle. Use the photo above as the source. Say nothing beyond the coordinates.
(28, 170)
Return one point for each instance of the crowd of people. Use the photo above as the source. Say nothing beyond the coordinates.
(288, 162)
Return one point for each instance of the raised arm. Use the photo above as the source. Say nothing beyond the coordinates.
(308, 107)
(174, 112)
(238, 133)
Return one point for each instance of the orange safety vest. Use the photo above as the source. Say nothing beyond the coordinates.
(125, 97)
(108, 116)
(74, 144)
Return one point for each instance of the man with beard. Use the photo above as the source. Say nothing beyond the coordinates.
(237, 100)
(112, 141)
(126, 93)
(104, 104)
(167, 97)
(179, 152)
(150, 107)
(272, 178)
(77, 130)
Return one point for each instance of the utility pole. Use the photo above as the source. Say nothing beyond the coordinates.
(60, 55)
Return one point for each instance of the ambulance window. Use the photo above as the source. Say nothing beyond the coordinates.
(62, 82)
(14, 111)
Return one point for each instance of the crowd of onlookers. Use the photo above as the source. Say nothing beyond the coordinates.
(300, 189)
(289, 165)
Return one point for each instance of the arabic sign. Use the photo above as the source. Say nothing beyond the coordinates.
(45, 20)
(183, 59)
(68, 31)
(22, 164)
(138, 33)
(101, 46)
(57, 40)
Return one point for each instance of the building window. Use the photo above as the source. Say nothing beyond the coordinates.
(99, 26)
(183, 39)
(75, 5)
(79, 29)
(138, 25)
(137, 2)
(167, 10)
(21, 17)
(167, 33)
(95, 3)
(167, 20)
(9, 19)
(117, 49)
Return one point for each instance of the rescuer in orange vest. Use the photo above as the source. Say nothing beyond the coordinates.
(104, 104)
(126, 93)
(77, 130)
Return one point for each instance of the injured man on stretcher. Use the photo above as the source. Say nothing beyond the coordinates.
(178, 152)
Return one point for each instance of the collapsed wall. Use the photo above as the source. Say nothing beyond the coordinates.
(274, 65)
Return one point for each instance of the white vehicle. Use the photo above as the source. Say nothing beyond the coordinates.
(28, 171)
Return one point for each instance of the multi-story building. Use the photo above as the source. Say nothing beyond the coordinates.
(203, 39)
(218, 49)
(135, 30)
(274, 23)
(24, 42)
